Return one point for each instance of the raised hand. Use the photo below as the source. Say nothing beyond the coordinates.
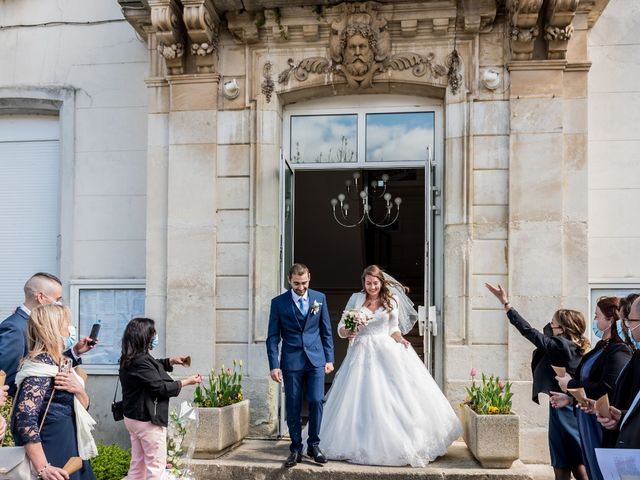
(498, 292)
(84, 345)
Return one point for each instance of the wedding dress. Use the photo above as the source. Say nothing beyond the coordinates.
(384, 408)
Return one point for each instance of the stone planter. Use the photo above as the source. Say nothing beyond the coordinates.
(220, 429)
(493, 439)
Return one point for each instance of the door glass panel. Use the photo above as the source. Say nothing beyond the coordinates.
(324, 139)
(398, 137)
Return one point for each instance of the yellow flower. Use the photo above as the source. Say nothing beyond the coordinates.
(493, 409)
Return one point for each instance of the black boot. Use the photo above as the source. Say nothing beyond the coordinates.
(317, 455)
(293, 459)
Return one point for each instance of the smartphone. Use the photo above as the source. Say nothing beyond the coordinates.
(65, 365)
(95, 330)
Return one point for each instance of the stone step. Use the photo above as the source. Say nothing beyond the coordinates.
(263, 459)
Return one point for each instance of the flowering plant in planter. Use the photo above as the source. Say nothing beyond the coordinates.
(224, 388)
(492, 397)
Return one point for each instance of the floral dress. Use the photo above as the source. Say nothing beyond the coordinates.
(58, 434)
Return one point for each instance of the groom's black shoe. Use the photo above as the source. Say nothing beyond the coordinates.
(317, 455)
(293, 459)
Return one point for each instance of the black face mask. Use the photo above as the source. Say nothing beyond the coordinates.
(547, 330)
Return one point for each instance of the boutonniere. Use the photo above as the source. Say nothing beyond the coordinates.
(315, 307)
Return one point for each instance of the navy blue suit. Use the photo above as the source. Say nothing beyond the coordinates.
(13, 345)
(307, 346)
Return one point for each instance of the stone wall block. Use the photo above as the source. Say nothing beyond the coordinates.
(490, 222)
(536, 115)
(233, 193)
(535, 258)
(234, 160)
(232, 326)
(576, 258)
(535, 179)
(491, 152)
(194, 96)
(233, 226)
(490, 118)
(232, 292)
(489, 327)
(190, 127)
(539, 84)
(490, 187)
(233, 259)
(269, 127)
(454, 197)
(489, 257)
(481, 298)
(609, 257)
(575, 118)
(234, 127)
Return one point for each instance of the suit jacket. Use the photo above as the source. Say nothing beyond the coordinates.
(629, 436)
(13, 345)
(146, 389)
(625, 391)
(551, 350)
(605, 370)
(302, 338)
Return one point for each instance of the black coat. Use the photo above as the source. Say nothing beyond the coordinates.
(604, 371)
(625, 391)
(629, 436)
(146, 389)
(551, 350)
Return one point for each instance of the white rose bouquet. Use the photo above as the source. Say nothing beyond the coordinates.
(354, 320)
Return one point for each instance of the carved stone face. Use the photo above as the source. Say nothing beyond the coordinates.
(358, 55)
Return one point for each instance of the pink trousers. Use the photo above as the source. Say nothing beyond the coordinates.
(148, 450)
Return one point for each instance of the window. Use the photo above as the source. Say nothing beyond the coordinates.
(29, 202)
(604, 290)
(324, 139)
(398, 137)
(111, 305)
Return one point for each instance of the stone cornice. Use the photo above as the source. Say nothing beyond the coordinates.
(524, 65)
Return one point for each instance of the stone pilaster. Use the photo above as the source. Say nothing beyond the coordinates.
(192, 218)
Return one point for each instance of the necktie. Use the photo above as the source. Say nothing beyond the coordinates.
(301, 303)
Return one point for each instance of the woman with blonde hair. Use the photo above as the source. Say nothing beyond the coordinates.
(384, 408)
(50, 417)
(562, 344)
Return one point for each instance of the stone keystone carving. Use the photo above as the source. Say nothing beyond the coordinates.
(360, 49)
(558, 28)
(523, 27)
(166, 18)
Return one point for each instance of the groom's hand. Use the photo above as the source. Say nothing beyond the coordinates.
(328, 368)
(276, 375)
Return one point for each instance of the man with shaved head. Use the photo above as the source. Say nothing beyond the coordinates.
(41, 289)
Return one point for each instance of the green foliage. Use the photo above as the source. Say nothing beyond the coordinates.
(5, 412)
(224, 388)
(112, 462)
(492, 397)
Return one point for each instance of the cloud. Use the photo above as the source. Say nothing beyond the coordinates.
(324, 138)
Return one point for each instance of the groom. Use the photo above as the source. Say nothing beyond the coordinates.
(300, 318)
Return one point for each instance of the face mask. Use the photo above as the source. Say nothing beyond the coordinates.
(633, 339)
(72, 339)
(620, 330)
(596, 331)
(154, 342)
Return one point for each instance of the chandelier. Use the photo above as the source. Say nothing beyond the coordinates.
(367, 197)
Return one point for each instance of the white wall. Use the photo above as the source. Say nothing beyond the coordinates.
(614, 144)
(98, 70)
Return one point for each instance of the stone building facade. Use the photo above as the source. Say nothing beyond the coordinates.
(193, 207)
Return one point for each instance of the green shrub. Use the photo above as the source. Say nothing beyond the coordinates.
(5, 411)
(112, 462)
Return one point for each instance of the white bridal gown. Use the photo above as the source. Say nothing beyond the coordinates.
(384, 408)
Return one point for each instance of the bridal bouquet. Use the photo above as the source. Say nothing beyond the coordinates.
(355, 319)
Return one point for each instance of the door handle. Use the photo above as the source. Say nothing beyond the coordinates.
(433, 320)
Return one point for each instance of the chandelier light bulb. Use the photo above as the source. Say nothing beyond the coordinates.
(387, 197)
(347, 182)
(356, 175)
(346, 208)
(363, 194)
(398, 201)
(334, 202)
(341, 197)
(385, 177)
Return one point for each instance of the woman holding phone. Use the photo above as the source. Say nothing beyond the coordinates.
(146, 390)
(561, 344)
(50, 417)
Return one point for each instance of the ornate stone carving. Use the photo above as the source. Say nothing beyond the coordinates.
(523, 27)
(558, 28)
(360, 49)
(267, 84)
(202, 24)
(479, 15)
(166, 18)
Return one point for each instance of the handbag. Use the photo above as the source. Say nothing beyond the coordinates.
(117, 410)
(14, 462)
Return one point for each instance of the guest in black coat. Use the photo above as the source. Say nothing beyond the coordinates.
(146, 389)
(561, 344)
(597, 374)
(623, 425)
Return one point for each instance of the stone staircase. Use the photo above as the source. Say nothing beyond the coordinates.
(263, 459)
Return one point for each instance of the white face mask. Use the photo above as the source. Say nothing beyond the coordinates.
(70, 340)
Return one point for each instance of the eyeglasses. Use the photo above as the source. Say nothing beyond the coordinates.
(627, 321)
(553, 327)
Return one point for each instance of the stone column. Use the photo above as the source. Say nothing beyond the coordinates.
(192, 218)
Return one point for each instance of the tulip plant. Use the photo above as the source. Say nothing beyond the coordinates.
(492, 397)
(224, 388)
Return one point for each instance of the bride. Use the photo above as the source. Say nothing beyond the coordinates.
(384, 408)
